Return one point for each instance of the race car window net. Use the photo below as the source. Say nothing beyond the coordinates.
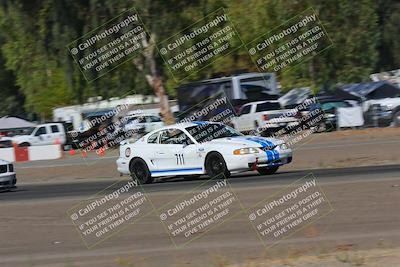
(174, 137)
(153, 138)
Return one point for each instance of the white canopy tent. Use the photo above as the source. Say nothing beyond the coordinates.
(10, 123)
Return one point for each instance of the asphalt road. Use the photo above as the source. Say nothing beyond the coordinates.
(248, 179)
(36, 231)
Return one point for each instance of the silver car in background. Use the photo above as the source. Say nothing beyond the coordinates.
(7, 176)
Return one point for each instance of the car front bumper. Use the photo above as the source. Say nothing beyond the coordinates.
(270, 158)
(122, 165)
(7, 180)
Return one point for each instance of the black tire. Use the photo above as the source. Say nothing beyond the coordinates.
(396, 119)
(215, 165)
(267, 170)
(24, 144)
(139, 170)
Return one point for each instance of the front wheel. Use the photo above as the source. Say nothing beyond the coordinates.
(215, 165)
(139, 170)
(267, 170)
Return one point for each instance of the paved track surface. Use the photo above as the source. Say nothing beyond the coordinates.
(244, 180)
(36, 231)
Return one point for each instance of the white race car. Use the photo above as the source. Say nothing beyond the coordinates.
(198, 148)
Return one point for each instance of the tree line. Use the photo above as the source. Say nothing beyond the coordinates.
(37, 72)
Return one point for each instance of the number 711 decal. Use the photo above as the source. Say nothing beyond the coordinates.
(180, 160)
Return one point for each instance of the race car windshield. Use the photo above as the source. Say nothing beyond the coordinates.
(208, 132)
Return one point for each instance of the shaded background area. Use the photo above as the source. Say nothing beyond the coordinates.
(37, 72)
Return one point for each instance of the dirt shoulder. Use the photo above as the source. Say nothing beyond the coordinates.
(343, 257)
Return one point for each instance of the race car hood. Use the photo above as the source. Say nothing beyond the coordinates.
(4, 162)
(248, 141)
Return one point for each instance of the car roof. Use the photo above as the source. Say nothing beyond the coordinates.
(181, 126)
(184, 125)
(261, 102)
(48, 124)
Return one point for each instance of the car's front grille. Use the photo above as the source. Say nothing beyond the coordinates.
(10, 168)
(3, 168)
(6, 183)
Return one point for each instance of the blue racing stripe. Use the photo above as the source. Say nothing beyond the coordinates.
(272, 155)
(276, 155)
(263, 142)
(200, 122)
(177, 170)
(269, 154)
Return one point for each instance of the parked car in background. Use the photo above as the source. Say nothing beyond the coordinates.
(329, 108)
(382, 112)
(141, 123)
(239, 89)
(8, 179)
(5, 143)
(267, 116)
(44, 134)
(321, 114)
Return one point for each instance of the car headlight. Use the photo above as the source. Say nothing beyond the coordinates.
(283, 146)
(243, 151)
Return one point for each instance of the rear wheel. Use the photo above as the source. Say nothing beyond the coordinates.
(139, 170)
(267, 170)
(215, 165)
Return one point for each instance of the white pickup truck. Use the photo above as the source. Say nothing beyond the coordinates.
(264, 116)
(44, 134)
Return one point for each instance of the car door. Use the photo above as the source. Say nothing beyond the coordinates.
(176, 153)
(244, 120)
(150, 152)
(41, 136)
(57, 136)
